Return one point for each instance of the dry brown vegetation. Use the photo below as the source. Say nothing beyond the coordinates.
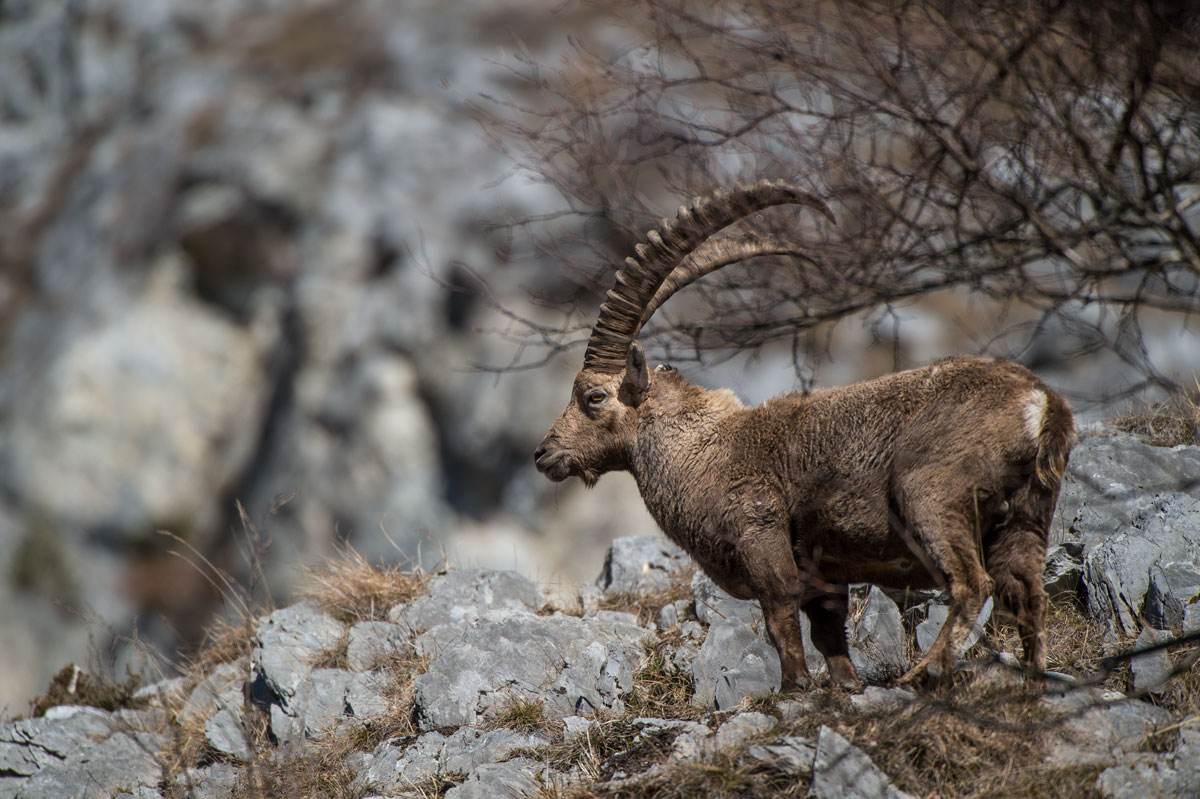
(1028, 174)
(983, 735)
(1169, 423)
(647, 605)
(353, 590)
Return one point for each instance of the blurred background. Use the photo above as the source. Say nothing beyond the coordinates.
(282, 275)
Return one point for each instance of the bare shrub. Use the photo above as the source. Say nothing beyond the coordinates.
(1028, 172)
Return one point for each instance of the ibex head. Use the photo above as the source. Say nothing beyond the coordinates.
(597, 430)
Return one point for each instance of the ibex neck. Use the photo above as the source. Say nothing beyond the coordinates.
(679, 446)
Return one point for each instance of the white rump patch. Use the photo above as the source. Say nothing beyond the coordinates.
(1034, 412)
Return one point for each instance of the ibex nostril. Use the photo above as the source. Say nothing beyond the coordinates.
(539, 452)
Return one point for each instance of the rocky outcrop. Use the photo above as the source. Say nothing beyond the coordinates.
(507, 681)
(240, 270)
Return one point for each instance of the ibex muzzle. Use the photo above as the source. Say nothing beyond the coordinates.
(941, 476)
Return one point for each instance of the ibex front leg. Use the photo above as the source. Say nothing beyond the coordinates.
(766, 554)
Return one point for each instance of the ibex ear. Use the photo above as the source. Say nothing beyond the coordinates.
(637, 377)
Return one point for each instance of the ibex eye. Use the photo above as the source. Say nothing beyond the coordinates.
(596, 397)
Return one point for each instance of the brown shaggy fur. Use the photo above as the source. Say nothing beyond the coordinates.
(945, 475)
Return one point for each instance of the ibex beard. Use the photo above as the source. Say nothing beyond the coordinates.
(944, 476)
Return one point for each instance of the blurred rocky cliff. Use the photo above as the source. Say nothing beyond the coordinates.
(238, 240)
(253, 254)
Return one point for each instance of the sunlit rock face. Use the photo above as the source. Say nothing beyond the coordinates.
(230, 232)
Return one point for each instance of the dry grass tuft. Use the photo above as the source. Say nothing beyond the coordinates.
(1169, 423)
(963, 739)
(647, 605)
(353, 590)
(611, 746)
(74, 686)
(224, 642)
(335, 657)
(660, 689)
(522, 714)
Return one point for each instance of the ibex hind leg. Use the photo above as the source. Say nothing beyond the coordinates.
(933, 518)
(827, 617)
(1016, 558)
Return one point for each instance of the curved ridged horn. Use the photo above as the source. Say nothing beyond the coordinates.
(666, 246)
(714, 255)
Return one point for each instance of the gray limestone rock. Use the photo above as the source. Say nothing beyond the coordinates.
(215, 781)
(1108, 479)
(878, 645)
(575, 726)
(792, 755)
(741, 728)
(1151, 670)
(1164, 529)
(843, 771)
(141, 792)
(927, 631)
(375, 643)
(285, 645)
(674, 614)
(733, 664)
(1064, 570)
(1171, 775)
(125, 761)
(459, 597)
(1174, 585)
(1191, 619)
(324, 704)
(469, 748)
(875, 698)
(1099, 727)
(713, 604)
(287, 641)
(30, 745)
(641, 564)
(221, 690)
(692, 741)
(163, 692)
(395, 767)
(225, 732)
(570, 665)
(512, 779)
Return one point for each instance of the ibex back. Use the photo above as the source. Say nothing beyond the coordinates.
(941, 476)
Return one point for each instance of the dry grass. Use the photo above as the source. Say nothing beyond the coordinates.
(224, 642)
(613, 745)
(723, 777)
(321, 771)
(353, 590)
(982, 735)
(522, 714)
(1170, 423)
(74, 686)
(647, 605)
(660, 689)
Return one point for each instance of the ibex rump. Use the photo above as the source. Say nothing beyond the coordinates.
(945, 475)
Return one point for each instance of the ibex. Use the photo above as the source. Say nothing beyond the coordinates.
(944, 475)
